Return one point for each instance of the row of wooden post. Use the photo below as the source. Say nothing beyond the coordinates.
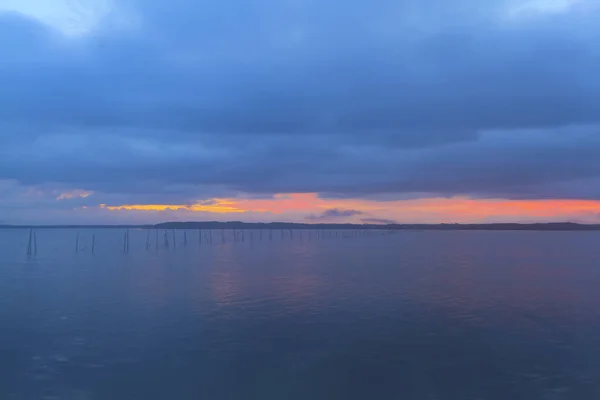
(237, 236)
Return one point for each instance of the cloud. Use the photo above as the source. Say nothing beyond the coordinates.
(151, 103)
(335, 213)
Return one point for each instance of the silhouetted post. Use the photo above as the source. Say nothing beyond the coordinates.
(174, 239)
(77, 242)
(210, 235)
(148, 240)
(291, 235)
(35, 243)
(29, 242)
(166, 239)
(185, 238)
(156, 244)
(93, 243)
(243, 238)
(271, 234)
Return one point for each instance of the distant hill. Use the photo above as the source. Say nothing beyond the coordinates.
(553, 226)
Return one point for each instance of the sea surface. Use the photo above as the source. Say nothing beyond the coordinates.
(338, 315)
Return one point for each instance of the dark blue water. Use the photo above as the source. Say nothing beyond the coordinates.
(414, 315)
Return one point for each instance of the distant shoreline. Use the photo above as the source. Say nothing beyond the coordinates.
(553, 226)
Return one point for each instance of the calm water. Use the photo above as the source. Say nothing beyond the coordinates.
(414, 315)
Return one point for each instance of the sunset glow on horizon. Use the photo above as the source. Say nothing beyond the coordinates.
(310, 207)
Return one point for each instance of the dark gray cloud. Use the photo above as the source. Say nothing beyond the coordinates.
(198, 100)
(334, 213)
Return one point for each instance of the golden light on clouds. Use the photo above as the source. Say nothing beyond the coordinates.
(215, 206)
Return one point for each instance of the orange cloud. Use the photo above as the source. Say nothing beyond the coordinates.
(215, 206)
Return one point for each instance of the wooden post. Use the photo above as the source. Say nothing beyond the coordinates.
(29, 243)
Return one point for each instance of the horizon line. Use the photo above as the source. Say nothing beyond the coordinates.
(564, 226)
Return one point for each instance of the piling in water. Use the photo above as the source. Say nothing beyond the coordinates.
(185, 238)
(93, 243)
(125, 241)
(29, 242)
(35, 243)
(77, 242)
(148, 240)
(174, 240)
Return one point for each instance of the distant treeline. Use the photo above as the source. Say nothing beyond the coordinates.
(555, 226)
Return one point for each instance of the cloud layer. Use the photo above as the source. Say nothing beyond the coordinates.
(160, 102)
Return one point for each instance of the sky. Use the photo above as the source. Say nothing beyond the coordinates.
(408, 111)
